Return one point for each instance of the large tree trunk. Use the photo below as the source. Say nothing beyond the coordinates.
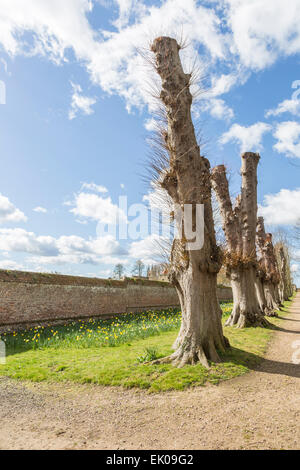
(271, 299)
(283, 260)
(239, 224)
(201, 336)
(269, 268)
(187, 181)
(246, 311)
(260, 291)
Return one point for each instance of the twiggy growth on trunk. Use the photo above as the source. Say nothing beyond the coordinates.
(286, 283)
(268, 266)
(187, 181)
(239, 224)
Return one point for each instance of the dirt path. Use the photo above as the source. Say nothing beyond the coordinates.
(260, 410)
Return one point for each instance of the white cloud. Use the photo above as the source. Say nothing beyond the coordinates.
(243, 34)
(20, 240)
(263, 30)
(62, 250)
(114, 260)
(9, 213)
(249, 138)
(294, 268)
(282, 208)
(10, 264)
(126, 9)
(223, 84)
(218, 109)
(286, 106)
(122, 186)
(40, 209)
(94, 187)
(159, 200)
(291, 106)
(80, 103)
(288, 138)
(111, 58)
(148, 249)
(151, 125)
(97, 208)
(54, 25)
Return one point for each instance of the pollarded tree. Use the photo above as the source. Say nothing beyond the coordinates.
(260, 275)
(268, 264)
(283, 260)
(239, 224)
(186, 178)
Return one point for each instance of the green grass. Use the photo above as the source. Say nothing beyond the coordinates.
(81, 353)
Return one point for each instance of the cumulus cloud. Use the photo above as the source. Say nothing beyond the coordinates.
(256, 37)
(248, 138)
(65, 249)
(148, 249)
(21, 240)
(127, 8)
(110, 57)
(288, 138)
(286, 106)
(291, 106)
(40, 209)
(282, 208)
(223, 83)
(80, 103)
(151, 125)
(9, 213)
(10, 264)
(94, 187)
(294, 268)
(218, 109)
(241, 34)
(97, 208)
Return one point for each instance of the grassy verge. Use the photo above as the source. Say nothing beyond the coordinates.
(97, 352)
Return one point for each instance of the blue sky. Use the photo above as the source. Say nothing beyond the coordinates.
(73, 131)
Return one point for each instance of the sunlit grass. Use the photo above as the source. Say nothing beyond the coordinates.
(111, 352)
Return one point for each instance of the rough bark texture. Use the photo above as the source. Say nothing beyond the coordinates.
(187, 181)
(239, 224)
(286, 288)
(260, 290)
(268, 266)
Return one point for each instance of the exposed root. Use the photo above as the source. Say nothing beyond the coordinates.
(241, 320)
(191, 355)
(271, 313)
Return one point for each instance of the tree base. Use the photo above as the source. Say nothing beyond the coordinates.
(271, 313)
(246, 311)
(188, 354)
(246, 320)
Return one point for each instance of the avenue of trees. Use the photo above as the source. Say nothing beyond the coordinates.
(259, 272)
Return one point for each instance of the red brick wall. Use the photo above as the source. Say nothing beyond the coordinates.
(34, 297)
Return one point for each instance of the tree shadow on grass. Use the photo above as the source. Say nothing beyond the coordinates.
(260, 364)
(10, 351)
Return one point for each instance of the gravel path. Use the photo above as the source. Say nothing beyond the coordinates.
(260, 410)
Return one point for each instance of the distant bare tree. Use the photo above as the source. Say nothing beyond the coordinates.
(119, 271)
(138, 268)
